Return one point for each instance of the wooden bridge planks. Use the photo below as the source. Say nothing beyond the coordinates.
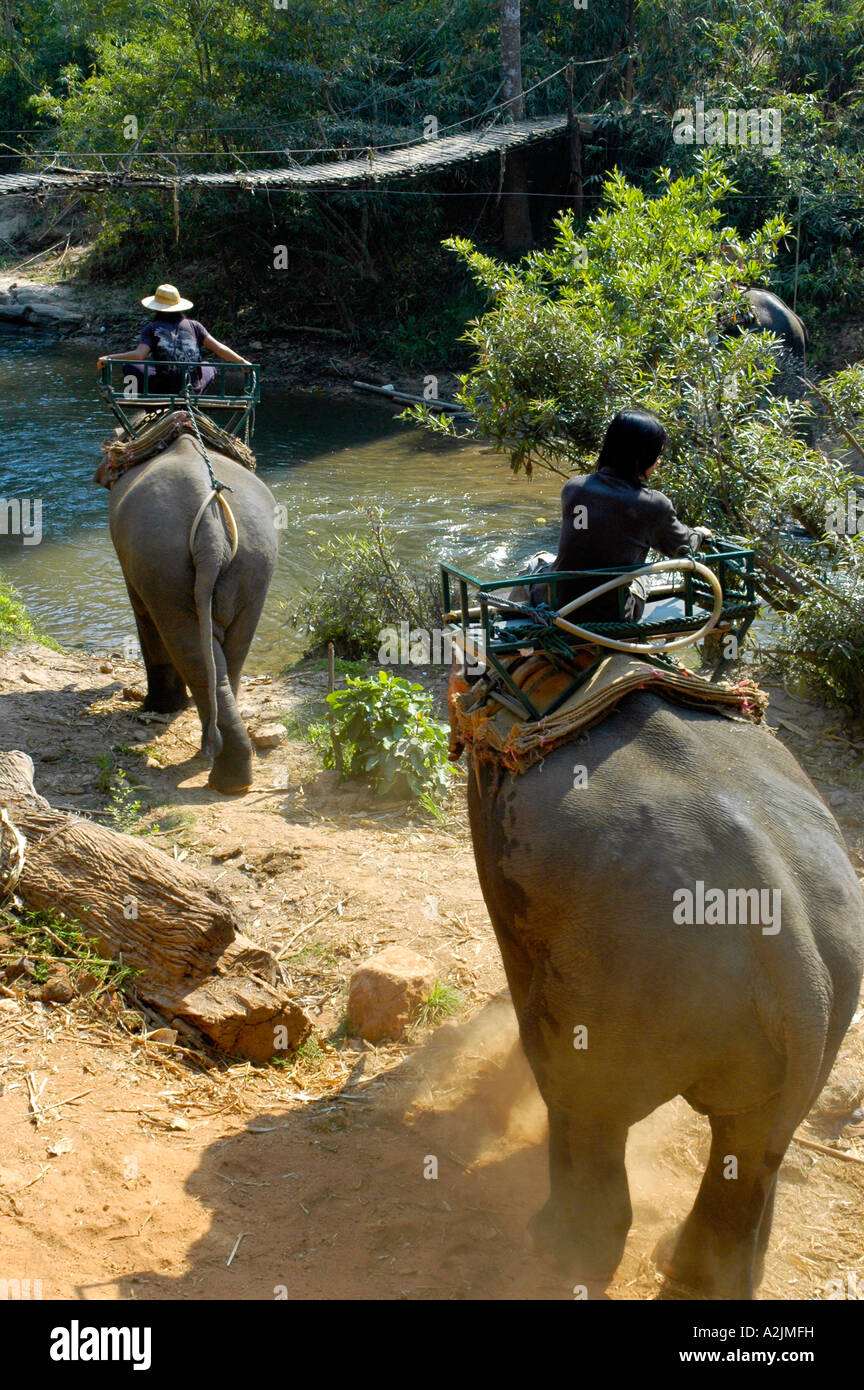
(409, 162)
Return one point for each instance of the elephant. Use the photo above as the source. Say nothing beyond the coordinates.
(768, 314)
(196, 609)
(622, 1005)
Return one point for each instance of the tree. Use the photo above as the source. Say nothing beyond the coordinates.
(627, 312)
(517, 214)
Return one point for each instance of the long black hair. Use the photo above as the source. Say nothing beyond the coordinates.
(632, 443)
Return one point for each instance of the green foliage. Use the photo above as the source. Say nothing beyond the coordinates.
(444, 1001)
(53, 935)
(15, 622)
(627, 312)
(384, 730)
(362, 587)
(825, 643)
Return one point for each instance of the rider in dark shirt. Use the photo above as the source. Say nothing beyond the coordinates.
(172, 337)
(611, 518)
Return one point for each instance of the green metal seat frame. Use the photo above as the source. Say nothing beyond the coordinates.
(237, 407)
(499, 634)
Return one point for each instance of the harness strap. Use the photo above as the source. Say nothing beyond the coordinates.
(218, 488)
(230, 520)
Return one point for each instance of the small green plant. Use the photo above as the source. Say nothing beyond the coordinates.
(123, 810)
(444, 1001)
(384, 729)
(50, 937)
(16, 624)
(309, 1051)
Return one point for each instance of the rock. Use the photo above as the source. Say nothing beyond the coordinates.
(88, 980)
(134, 692)
(229, 849)
(163, 1035)
(9, 1006)
(797, 1166)
(270, 736)
(15, 968)
(59, 987)
(840, 1096)
(385, 989)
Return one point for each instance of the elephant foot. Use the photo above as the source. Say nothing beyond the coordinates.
(688, 1279)
(556, 1239)
(231, 783)
(165, 702)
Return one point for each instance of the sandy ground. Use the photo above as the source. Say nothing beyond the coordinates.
(145, 1166)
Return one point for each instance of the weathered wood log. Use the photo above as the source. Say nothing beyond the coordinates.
(165, 919)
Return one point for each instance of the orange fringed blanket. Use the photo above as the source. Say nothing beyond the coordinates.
(489, 730)
(123, 453)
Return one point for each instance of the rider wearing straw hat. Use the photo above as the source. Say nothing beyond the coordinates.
(172, 337)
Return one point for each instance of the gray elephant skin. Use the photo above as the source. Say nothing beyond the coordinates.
(196, 612)
(744, 1022)
(769, 314)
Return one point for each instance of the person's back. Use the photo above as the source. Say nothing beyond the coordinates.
(610, 519)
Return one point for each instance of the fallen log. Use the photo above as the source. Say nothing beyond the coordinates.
(162, 917)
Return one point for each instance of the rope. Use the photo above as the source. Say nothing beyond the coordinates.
(12, 864)
(688, 565)
(217, 487)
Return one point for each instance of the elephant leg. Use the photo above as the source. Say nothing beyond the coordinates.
(232, 766)
(166, 689)
(722, 1243)
(585, 1222)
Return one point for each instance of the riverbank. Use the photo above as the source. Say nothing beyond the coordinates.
(138, 1180)
(39, 300)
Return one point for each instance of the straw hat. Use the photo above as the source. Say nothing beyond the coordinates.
(167, 300)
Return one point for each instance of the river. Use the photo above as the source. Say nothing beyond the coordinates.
(322, 456)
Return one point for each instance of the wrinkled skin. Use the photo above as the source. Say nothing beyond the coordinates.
(579, 884)
(174, 594)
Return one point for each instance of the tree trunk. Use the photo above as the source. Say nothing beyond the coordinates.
(167, 920)
(629, 40)
(516, 216)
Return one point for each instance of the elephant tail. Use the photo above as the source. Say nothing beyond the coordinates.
(205, 582)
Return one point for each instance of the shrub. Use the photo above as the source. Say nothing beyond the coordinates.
(825, 644)
(363, 586)
(15, 624)
(384, 729)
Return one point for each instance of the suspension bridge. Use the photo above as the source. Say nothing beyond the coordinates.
(373, 166)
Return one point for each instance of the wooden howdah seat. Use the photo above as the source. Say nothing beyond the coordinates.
(489, 627)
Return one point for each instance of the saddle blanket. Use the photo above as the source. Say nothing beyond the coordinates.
(123, 453)
(491, 730)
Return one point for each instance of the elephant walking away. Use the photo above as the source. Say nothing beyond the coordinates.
(768, 314)
(597, 866)
(196, 607)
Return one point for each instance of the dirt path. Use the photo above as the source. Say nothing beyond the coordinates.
(143, 1166)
